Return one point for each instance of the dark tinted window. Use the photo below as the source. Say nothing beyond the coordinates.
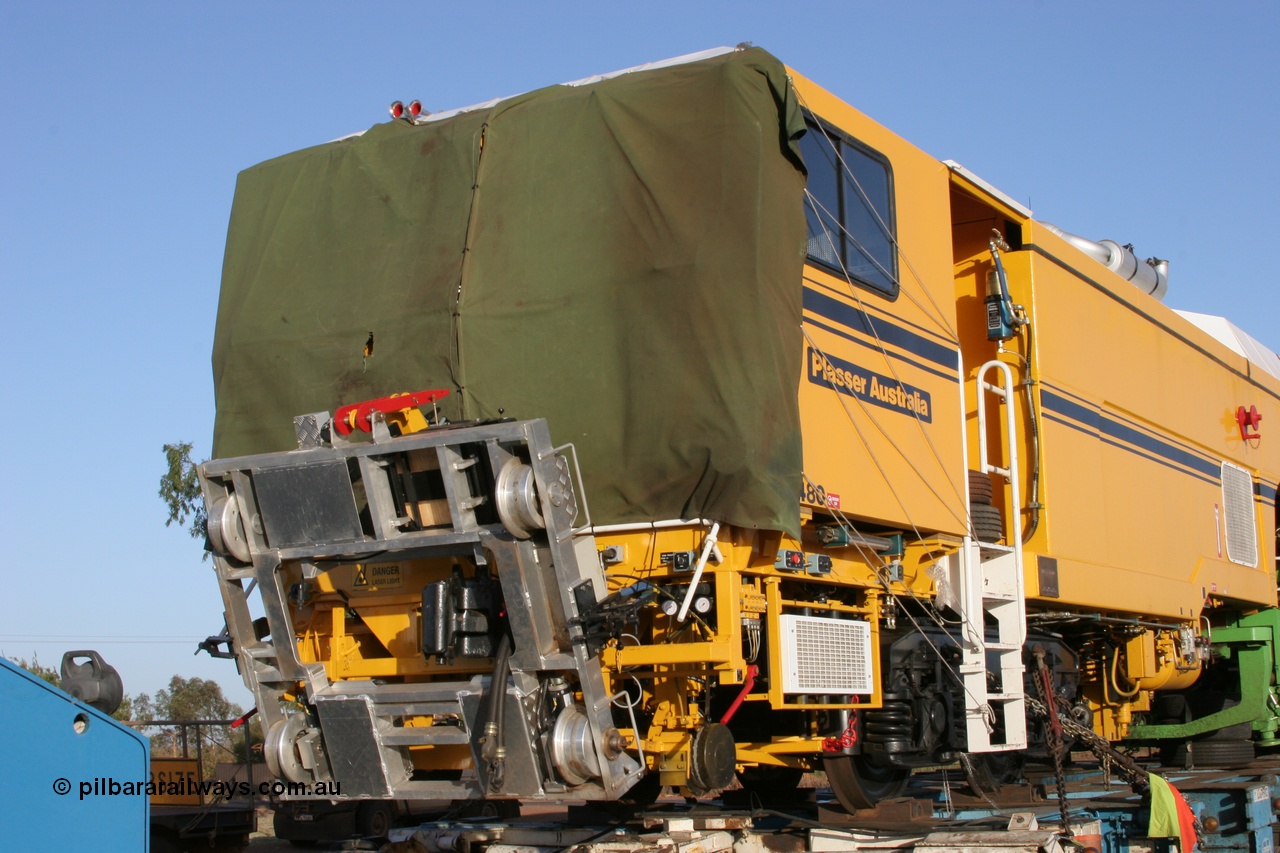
(850, 209)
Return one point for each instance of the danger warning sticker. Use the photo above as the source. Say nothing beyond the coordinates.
(371, 578)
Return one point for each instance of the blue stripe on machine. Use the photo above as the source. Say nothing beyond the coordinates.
(1172, 442)
(1075, 425)
(874, 348)
(1107, 428)
(859, 321)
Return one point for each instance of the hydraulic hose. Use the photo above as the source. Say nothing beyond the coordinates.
(1115, 685)
(491, 749)
(1033, 421)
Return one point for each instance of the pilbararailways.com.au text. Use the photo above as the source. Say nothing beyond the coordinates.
(106, 786)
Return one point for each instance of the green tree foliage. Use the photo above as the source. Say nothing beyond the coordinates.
(39, 670)
(51, 675)
(180, 489)
(189, 700)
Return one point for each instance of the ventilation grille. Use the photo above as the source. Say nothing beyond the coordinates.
(825, 655)
(1237, 502)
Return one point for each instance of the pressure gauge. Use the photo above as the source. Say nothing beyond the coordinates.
(702, 604)
(671, 608)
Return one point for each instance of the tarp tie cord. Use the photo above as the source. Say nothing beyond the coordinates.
(877, 565)
(893, 370)
(940, 317)
(456, 368)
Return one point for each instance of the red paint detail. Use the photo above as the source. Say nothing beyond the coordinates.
(244, 718)
(356, 415)
(747, 684)
(833, 501)
(1248, 420)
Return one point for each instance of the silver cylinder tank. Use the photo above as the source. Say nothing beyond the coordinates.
(1150, 276)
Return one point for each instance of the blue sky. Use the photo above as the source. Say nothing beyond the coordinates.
(123, 126)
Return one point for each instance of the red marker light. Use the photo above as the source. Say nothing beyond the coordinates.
(415, 108)
(397, 109)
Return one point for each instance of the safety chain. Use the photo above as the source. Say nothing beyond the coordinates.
(1127, 768)
(846, 740)
(1053, 734)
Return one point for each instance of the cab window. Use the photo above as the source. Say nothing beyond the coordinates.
(849, 208)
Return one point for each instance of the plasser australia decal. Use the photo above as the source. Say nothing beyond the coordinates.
(878, 390)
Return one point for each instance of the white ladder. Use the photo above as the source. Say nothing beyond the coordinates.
(990, 582)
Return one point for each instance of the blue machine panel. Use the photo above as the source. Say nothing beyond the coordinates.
(66, 770)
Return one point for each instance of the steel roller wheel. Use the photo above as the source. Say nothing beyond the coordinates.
(859, 784)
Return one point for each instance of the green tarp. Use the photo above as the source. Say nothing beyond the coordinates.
(621, 258)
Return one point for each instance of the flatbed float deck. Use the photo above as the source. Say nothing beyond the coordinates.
(1234, 810)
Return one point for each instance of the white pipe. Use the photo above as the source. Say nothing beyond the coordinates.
(641, 526)
(697, 571)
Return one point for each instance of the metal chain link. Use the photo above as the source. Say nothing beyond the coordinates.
(1099, 746)
(1053, 732)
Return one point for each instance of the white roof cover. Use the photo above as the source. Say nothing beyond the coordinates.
(1238, 340)
(586, 81)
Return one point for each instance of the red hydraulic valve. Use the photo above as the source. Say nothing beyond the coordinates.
(356, 415)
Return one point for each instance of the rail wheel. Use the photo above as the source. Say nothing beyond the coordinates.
(711, 759)
(986, 772)
(643, 793)
(859, 784)
(641, 796)
(772, 785)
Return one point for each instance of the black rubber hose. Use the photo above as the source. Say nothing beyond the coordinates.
(492, 751)
(1033, 419)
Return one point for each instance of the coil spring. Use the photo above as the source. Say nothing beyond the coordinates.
(893, 722)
